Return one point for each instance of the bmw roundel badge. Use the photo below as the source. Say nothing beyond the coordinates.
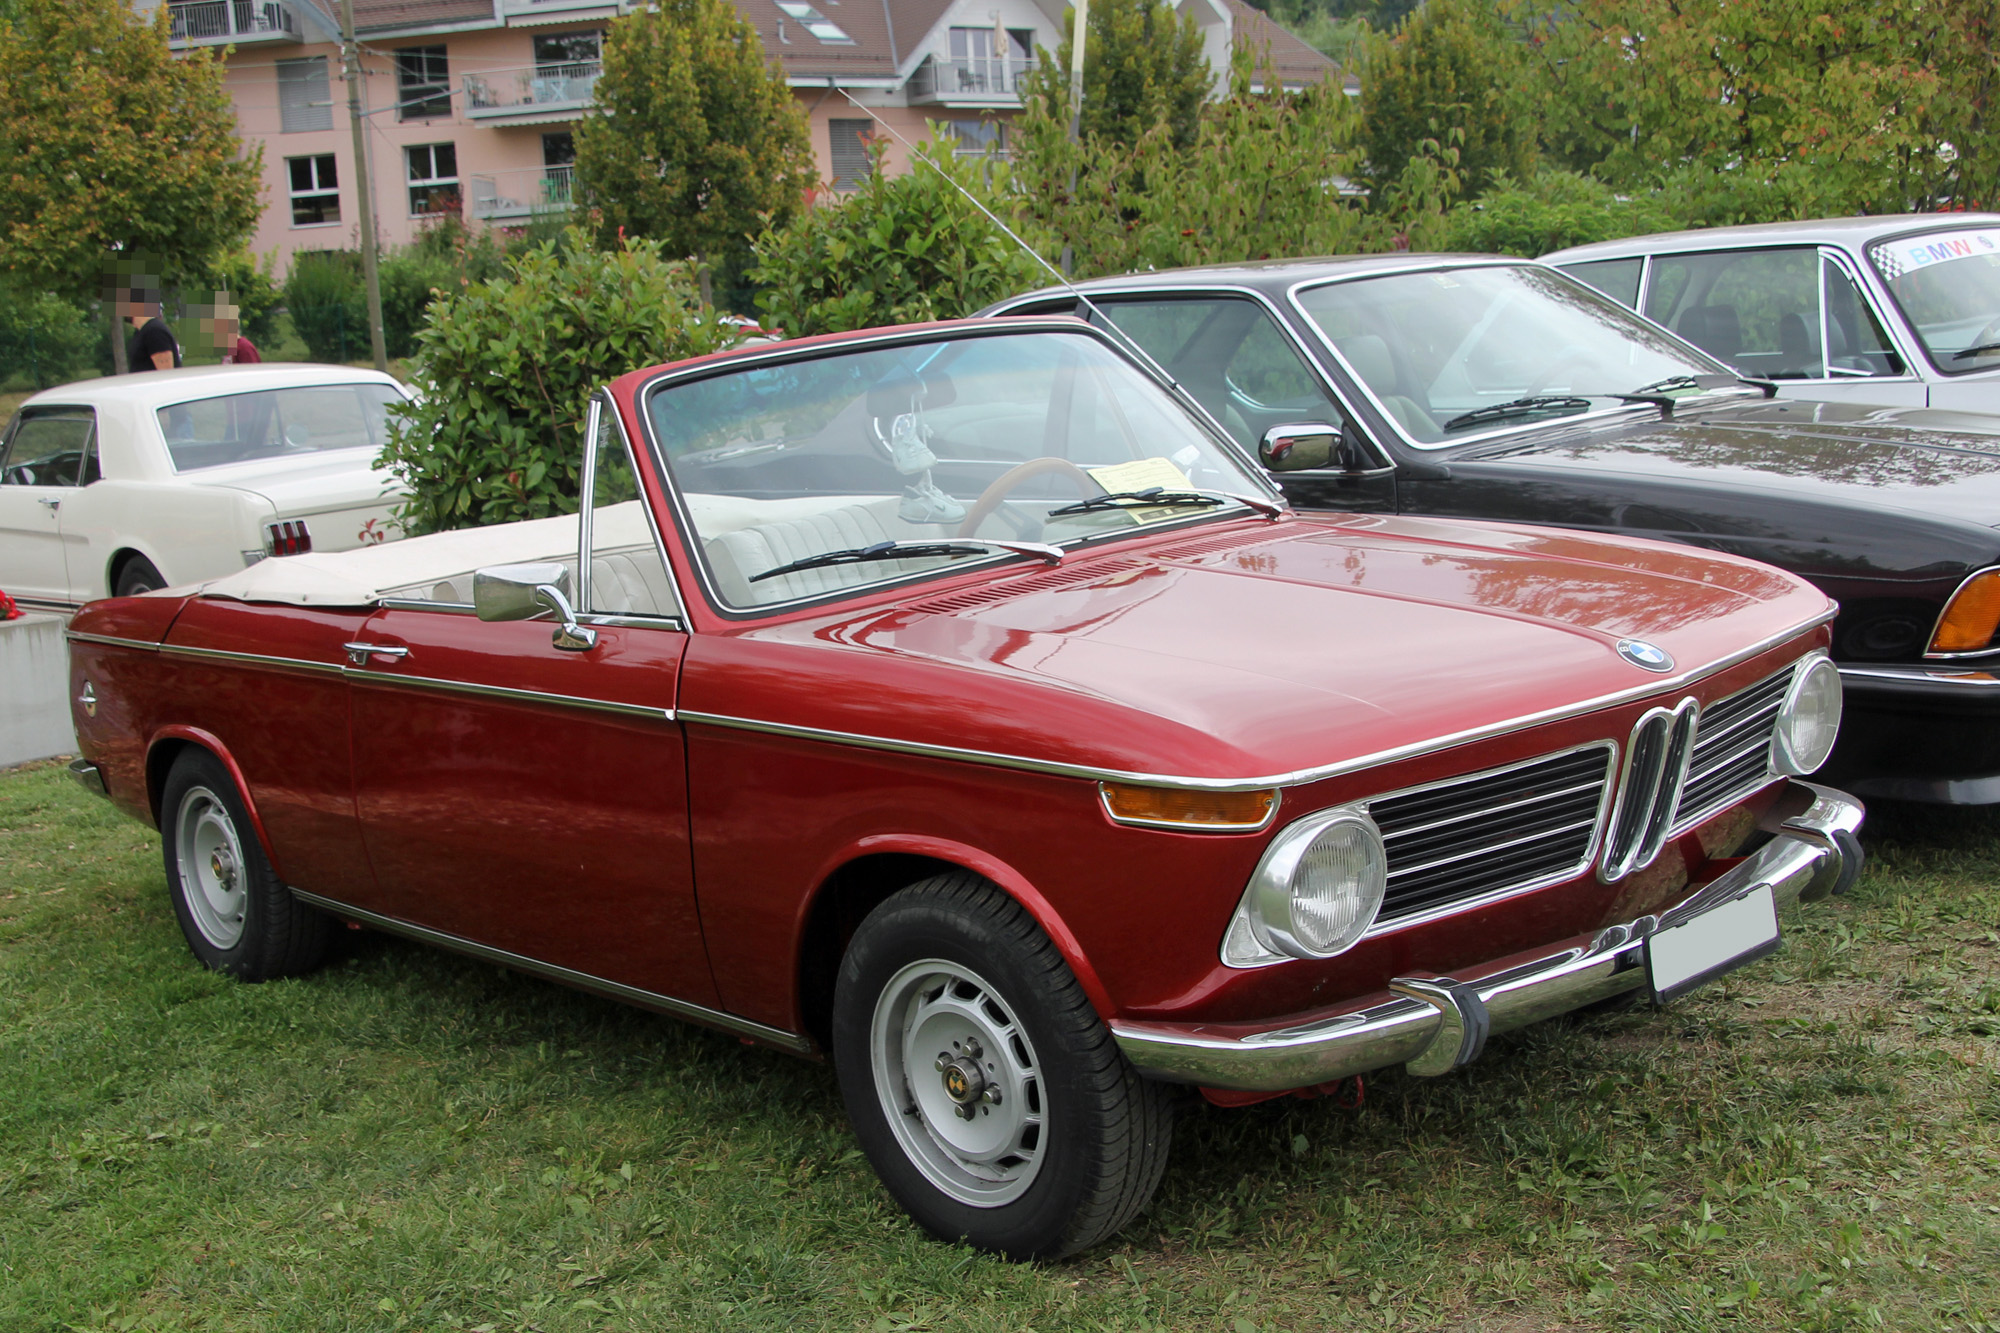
(1642, 654)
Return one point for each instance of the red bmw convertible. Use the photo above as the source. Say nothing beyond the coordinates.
(955, 703)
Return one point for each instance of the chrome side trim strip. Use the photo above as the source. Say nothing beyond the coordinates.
(789, 1041)
(367, 677)
(1963, 678)
(111, 641)
(1297, 777)
(252, 659)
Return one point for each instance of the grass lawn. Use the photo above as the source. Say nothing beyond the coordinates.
(413, 1140)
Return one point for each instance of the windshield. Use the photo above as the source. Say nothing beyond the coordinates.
(805, 463)
(1446, 350)
(276, 423)
(1948, 284)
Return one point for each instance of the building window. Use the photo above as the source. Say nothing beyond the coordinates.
(315, 190)
(304, 101)
(814, 22)
(433, 178)
(979, 138)
(567, 48)
(423, 83)
(558, 166)
(850, 152)
(988, 61)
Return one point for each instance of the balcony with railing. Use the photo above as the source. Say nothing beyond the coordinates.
(547, 11)
(193, 23)
(986, 81)
(519, 195)
(535, 93)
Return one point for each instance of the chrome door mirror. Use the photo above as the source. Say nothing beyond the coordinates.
(1300, 448)
(522, 592)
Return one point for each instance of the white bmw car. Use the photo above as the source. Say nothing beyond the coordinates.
(134, 482)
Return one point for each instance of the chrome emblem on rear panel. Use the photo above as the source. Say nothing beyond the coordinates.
(1642, 654)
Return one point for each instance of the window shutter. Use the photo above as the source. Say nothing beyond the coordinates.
(304, 100)
(850, 152)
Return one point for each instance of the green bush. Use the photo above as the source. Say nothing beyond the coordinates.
(1554, 210)
(329, 305)
(45, 339)
(504, 372)
(899, 249)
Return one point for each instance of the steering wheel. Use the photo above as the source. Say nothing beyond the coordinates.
(1566, 359)
(1004, 484)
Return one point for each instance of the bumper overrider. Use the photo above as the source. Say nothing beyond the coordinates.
(1432, 1025)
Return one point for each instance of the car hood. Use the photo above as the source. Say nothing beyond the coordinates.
(304, 485)
(1922, 460)
(1260, 650)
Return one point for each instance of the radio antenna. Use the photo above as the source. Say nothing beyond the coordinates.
(1100, 319)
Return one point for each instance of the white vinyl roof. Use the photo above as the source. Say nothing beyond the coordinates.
(155, 389)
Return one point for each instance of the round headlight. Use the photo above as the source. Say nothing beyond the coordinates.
(1809, 719)
(1319, 886)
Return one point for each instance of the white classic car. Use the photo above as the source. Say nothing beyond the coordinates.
(134, 482)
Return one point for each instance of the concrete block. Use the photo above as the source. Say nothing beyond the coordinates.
(34, 690)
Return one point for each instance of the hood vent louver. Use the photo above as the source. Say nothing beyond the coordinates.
(1224, 541)
(1059, 577)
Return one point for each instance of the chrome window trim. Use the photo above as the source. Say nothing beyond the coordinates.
(1602, 414)
(678, 620)
(1898, 336)
(1297, 777)
(778, 353)
(789, 1041)
(1938, 624)
(423, 604)
(1491, 896)
(363, 676)
(592, 420)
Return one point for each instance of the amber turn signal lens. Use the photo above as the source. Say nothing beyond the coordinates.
(1972, 617)
(1167, 807)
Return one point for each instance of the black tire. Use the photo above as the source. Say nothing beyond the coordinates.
(237, 915)
(137, 576)
(1080, 1141)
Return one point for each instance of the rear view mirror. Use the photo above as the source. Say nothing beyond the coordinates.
(522, 592)
(1301, 448)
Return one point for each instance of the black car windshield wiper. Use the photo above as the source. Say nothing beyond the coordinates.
(1978, 349)
(1159, 496)
(910, 550)
(1520, 407)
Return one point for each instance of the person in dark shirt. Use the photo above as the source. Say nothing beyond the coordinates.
(152, 345)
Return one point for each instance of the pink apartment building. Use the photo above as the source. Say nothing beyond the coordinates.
(471, 105)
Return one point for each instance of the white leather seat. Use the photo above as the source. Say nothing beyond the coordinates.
(735, 556)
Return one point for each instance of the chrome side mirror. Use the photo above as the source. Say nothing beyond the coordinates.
(1300, 448)
(522, 592)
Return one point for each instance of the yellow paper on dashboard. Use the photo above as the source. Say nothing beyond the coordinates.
(1139, 475)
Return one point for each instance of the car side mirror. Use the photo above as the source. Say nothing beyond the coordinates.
(1312, 447)
(522, 592)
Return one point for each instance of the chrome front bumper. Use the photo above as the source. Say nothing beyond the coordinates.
(1433, 1025)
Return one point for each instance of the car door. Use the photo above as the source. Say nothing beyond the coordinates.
(529, 797)
(1234, 358)
(49, 453)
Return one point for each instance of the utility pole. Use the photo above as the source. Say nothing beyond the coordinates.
(1075, 109)
(350, 55)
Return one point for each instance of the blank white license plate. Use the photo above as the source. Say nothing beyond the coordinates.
(1719, 940)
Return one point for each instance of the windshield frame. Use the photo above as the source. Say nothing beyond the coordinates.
(942, 333)
(1438, 264)
(1910, 328)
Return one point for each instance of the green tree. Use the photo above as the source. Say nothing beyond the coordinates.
(1555, 210)
(1142, 66)
(109, 142)
(1775, 108)
(1450, 74)
(1261, 180)
(694, 142)
(504, 372)
(899, 249)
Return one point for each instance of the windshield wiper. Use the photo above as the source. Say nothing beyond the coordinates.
(910, 550)
(1154, 496)
(1980, 349)
(1520, 407)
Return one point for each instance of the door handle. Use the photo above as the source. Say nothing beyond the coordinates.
(359, 653)
(52, 504)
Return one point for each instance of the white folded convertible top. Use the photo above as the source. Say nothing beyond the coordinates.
(439, 567)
